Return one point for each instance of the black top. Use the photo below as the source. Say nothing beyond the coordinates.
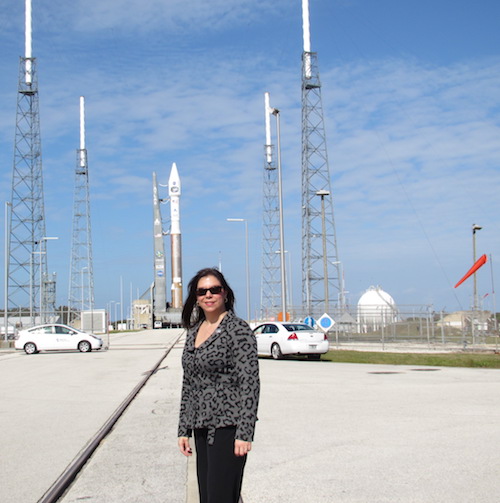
(221, 380)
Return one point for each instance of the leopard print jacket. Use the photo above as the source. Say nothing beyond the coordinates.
(221, 380)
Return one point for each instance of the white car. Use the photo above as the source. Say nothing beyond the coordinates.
(55, 336)
(278, 339)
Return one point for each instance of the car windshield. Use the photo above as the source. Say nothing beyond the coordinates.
(296, 327)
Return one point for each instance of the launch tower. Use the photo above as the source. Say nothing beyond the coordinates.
(322, 283)
(81, 286)
(29, 289)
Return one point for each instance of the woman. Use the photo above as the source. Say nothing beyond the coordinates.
(220, 390)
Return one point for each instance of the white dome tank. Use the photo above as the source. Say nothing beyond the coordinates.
(376, 309)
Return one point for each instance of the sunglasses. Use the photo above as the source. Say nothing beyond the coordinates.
(214, 290)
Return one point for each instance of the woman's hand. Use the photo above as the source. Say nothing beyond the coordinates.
(241, 448)
(184, 446)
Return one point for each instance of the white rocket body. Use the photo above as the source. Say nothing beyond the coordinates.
(174, 192)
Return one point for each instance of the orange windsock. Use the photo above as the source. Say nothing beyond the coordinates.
(479, 262)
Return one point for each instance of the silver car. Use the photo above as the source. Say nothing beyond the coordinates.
(55, 336)
(278, 339)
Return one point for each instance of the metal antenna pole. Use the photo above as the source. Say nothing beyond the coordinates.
(81, 286)
(316, 179)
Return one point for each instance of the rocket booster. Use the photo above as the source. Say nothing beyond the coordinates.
(160, 299)
(174, 192)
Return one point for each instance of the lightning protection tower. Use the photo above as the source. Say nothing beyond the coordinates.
(322, 286)
(27, 254)
(270, 284)
(81, 288)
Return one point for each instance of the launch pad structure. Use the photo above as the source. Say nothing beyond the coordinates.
(81, 276)
(30, 291)
(322, 273)
(270, 284)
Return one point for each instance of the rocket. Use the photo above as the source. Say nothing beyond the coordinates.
(174, 192)
(160, 295)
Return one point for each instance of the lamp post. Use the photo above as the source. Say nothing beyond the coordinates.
(322, 194)
(121, 300)
(6, 284)
(32, 314)
(247, 267)
(276, 113)
(475, 228)
(289, 285)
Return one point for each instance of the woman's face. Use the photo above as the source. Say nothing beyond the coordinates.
(213, 303)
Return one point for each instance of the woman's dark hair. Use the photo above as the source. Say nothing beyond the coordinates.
(191, 313)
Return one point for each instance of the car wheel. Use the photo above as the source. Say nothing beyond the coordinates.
(30, 348)
(84, 346)
(276, 351)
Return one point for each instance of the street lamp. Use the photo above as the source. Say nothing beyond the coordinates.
(475, 228)
(246, 260)
(323, 193)
(276, 113)
(289, 284)
(32, 314)
(121, 300)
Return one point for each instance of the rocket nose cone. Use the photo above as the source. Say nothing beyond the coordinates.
(174, 181)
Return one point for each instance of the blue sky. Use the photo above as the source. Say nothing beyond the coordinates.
(411, 95)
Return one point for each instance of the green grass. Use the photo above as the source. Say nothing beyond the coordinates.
(474, 360)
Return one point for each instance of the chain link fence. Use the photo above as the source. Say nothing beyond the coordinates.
(407, 327)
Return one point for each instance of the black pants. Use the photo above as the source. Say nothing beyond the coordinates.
(220, 472)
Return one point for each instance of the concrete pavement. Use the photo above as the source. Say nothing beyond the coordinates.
(53, 404)
(326, 433)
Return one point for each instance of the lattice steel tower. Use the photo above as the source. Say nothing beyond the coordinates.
(81, 286)
(29, 290)
(322, 282)
(270, 284)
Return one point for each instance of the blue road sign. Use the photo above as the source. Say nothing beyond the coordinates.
(326, 322)
(310, 321)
